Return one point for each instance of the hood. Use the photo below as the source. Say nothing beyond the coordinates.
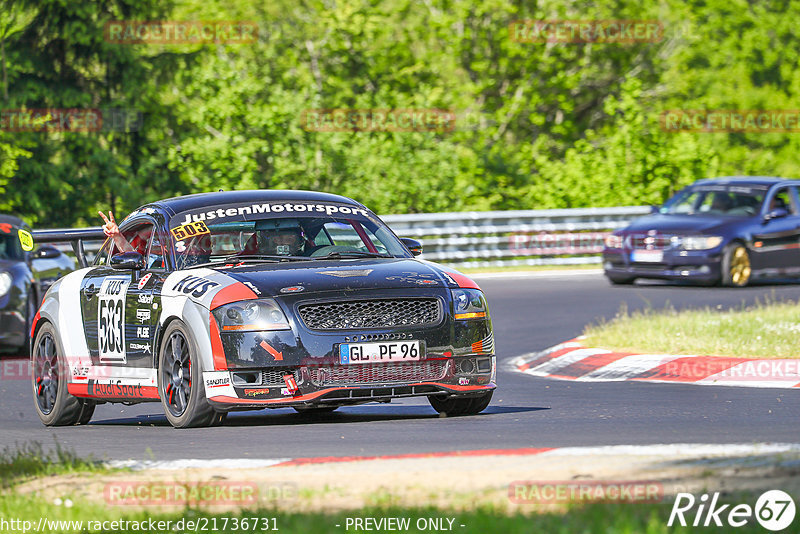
(682, 224)
(340, 275)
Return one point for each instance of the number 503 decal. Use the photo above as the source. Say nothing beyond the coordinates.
(111, 319)
(190, 230)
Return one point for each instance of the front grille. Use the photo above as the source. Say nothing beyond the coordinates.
(378, 313)
(648, 242)
(383, 373)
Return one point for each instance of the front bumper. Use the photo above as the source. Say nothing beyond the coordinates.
(696, 265)
(352, 384)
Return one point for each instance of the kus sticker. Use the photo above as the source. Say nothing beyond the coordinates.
(194, 285)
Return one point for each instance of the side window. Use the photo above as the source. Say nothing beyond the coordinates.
(138, 237)
(155, 256)
(784, 199)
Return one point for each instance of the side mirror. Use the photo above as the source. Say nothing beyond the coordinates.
(655, 209)
(413, 245)
(45, 252)
(777, 213)
(127, 261)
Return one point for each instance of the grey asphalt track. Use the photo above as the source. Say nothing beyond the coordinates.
(529, 314)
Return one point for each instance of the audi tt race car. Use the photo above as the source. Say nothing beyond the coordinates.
(259, 299)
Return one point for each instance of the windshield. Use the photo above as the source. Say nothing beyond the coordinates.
(716, 200)
(280, 232)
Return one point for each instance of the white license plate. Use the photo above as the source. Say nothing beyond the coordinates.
(647, 256)
(391, 351)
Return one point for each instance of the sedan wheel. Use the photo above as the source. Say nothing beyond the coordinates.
(736, 268)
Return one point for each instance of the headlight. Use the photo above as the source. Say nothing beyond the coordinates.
(262, 314)
(613, 241)
(700, 242)
(469, 304)
(5, 283)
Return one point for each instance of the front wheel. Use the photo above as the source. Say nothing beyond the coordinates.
(50, 374)
(180, 381)
(455, 406)
(736, 270)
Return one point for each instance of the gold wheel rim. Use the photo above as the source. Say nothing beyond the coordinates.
(740, 267)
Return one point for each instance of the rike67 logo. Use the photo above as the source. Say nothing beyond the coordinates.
(774, 510)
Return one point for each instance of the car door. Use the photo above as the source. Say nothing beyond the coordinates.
(94, 282)
(109, 302)
(143, 304)
(776, 242)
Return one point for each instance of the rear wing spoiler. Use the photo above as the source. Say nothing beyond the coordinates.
(74, 236)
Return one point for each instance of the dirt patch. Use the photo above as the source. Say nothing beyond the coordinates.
(447, 482)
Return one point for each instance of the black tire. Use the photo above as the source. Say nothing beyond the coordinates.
(180, 381)
(621, 280)
(314, 410)
(455, 406)
(736, 268)
(54, 405)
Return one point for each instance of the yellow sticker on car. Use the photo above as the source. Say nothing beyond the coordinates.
(26, 240)
(190, 230)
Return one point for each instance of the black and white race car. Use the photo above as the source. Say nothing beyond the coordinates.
(259, 299)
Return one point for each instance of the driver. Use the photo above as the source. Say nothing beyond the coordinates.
(282, 237)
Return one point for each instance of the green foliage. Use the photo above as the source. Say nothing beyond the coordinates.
(539, 125)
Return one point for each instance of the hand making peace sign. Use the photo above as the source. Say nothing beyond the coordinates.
(110, 228)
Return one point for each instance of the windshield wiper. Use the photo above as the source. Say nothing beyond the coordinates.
(353, 254)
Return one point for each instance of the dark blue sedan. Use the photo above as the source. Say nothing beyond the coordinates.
(726, 230)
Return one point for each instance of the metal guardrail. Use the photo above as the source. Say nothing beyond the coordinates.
(510, 238)
(478, 238)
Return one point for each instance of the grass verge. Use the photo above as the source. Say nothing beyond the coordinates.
(765, 330)
(30, 460)
(578, 518)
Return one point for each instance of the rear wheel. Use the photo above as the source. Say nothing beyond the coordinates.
(455, 406)
(736, 269)
(180, 381)
(54, 405)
